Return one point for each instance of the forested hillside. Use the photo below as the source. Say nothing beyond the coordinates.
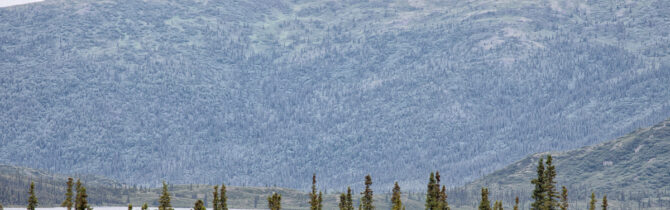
(50, 188)
(270, 91)
(629, 169)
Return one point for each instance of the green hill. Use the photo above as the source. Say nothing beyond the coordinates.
(635, 166)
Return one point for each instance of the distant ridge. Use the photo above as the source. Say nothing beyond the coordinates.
(636, 162)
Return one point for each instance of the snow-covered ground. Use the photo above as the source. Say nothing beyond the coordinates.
(106, 207)
(9, 3)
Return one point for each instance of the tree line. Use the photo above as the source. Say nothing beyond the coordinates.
(545, 195)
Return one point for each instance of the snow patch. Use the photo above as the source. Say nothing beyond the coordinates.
(9, 3)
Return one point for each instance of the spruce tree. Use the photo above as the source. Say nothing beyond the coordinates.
(366, 200)
(223, 199)
(430, 202)
(274, 201)
(67, 203)
(592, 204)
(320, 199)
(485, 204)
(435, 199)
(199, 205)
(77, 198)
(164, 200)
(396, 203)
(442, 202)
(32, 200)
(497, 205)
(215, 198)
(130, 206)
(549, 186)
(145, 206)
(350, 200)
(81, 202)
(564, 198)
(516, 203)
(346, 202)
(315, 199)
(604, 205)
(538, 192)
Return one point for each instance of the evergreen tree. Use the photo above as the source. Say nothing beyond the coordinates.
(315, 199)
(349, 205)
(604, 205)
(81, 202)
(215, 198)
(436, 199)
(223, 199)
(538, 192)
(592, 204)
(346, 202)
(485, 204)
(564, 198)
(497, 205)
(145, 206)
(199, 205)
(431, 193)
(366, 200)
(1, 207)
(516, 203)
(442, 204)
(130, 206)
(164, 200)
(274, 201)
(549, 186)
(396, 203)
(32, 200)
(320, 199)
(68, 195)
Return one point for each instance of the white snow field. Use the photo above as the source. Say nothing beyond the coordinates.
(9, 3)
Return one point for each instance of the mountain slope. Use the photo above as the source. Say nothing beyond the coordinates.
(636, 162)
(50, 188)
(269, 92)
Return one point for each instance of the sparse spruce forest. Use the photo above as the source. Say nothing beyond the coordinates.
(545, 196)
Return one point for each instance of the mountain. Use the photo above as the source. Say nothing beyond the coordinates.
(268, 92)
(635, 165)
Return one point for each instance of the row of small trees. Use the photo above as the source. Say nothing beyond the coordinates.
(545, 196)
(80, 200)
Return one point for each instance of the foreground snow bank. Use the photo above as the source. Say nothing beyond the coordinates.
(9, 3)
